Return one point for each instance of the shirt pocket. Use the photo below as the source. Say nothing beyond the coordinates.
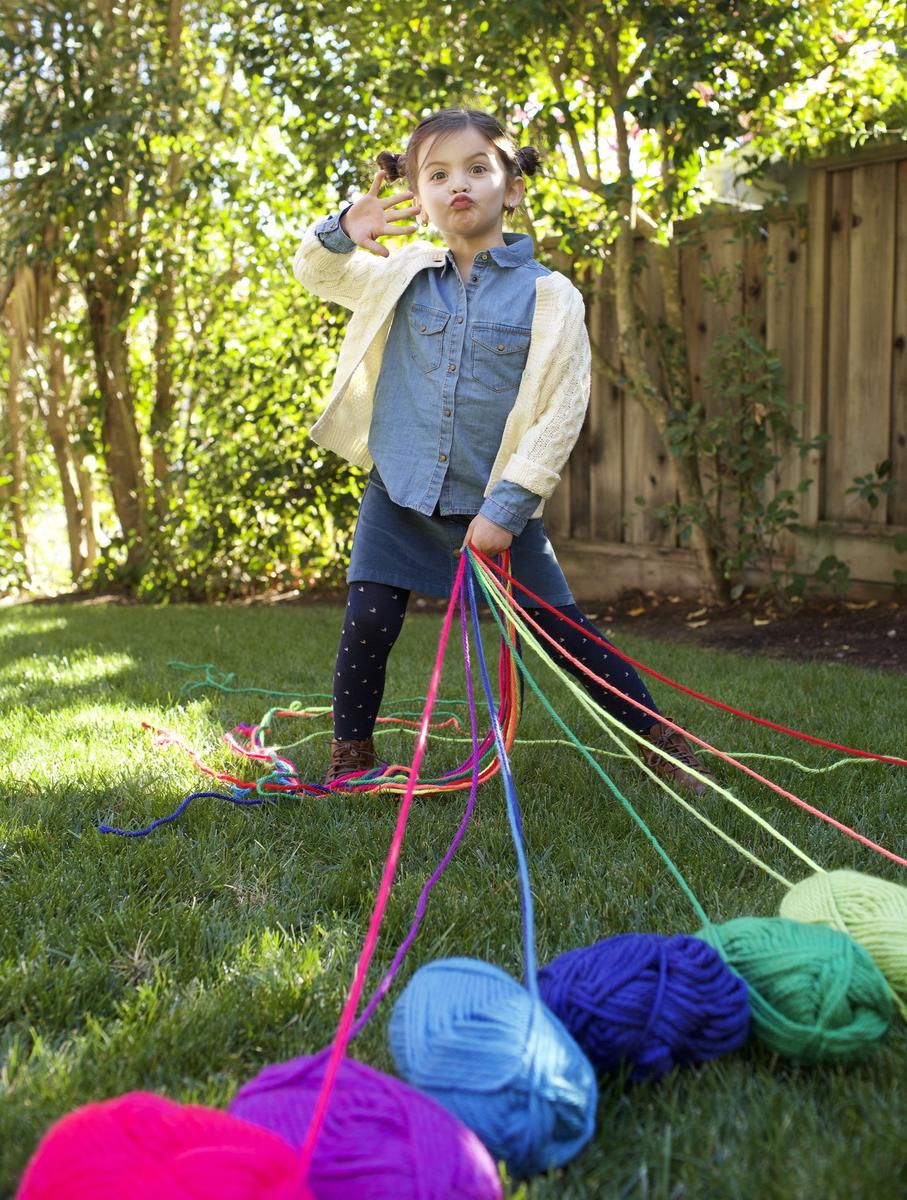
(426, 336)
(499, 355)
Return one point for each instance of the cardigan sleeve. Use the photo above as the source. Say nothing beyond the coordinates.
(342, 278)
(545, 446)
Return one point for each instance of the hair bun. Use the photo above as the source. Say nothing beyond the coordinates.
(392, 164)
(528, 158)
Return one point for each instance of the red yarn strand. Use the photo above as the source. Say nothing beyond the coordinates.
(775, 787)
(729, 708)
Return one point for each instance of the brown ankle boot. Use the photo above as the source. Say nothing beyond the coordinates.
(664, 738)
(347, 756)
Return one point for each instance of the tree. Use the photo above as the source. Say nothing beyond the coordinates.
(630, 100)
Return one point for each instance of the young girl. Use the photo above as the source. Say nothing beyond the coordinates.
(462, 383)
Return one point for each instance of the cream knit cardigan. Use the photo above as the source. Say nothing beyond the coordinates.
(548, 412)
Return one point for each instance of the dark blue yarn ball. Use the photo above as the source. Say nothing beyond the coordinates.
(651, 1001)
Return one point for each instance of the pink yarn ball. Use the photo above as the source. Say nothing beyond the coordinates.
(145, 1147)
(381, 1139)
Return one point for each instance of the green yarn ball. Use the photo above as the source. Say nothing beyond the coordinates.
(872, 910)
(816, 995)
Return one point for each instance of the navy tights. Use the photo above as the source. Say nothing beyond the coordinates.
(374, 618)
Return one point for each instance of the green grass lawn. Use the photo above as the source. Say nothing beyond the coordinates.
(185, 961)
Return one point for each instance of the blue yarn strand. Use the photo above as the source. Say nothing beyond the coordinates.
(513, 807)
(494, 604)
(237, 798)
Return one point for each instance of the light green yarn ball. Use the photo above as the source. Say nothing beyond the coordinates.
(816, 995)
(872, 910)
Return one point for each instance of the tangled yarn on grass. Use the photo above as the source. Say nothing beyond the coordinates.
(651, 1001)
(473, 1038)
(145, 1147)
(872, 910)
(381, 1139)
(816, 995)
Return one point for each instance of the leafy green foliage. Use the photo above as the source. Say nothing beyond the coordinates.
(179, 165)
(872, 486)
(740, 435)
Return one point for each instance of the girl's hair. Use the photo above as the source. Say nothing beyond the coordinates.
(522, 161)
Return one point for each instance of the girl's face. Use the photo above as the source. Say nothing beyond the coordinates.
(459, 167)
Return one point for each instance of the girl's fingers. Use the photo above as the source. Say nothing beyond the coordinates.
(404, 213)
(375, 247)
(393, 232)
(377, 182)
(388, 201)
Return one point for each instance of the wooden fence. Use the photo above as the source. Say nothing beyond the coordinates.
(825, 285)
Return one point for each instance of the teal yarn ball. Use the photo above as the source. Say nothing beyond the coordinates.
(469, 1035)
(816, 995)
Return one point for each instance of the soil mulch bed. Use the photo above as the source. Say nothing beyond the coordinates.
(865, 633)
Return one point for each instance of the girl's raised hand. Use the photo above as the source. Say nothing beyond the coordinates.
(370, 217)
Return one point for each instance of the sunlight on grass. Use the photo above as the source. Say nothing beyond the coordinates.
(82, 669)
(30, 626)
(185, 961)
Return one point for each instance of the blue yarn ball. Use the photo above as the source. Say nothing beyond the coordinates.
(651, 1001)
(469, 1035)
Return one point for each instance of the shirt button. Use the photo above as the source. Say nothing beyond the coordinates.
(451, 367)
(422, 328)
(459, 320)
(442, 458)
(446, 412)
(473, 279)
(501, 346)
(484, 258)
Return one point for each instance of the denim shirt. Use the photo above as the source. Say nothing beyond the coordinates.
(450, 373)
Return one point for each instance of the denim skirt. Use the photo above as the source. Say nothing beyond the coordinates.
(404, 548)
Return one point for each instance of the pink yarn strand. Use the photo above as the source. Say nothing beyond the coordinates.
(344, 1028)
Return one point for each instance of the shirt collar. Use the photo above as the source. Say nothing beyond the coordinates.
(516, 251)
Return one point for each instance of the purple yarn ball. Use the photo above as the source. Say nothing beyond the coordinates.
(651, 1001)
(381, 1139)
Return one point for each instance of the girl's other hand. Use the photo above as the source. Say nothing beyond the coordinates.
(370, 217)
(484, 535)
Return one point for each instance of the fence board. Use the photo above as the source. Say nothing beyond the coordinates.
(815, 364)
(897, 505)
(647, 473)
(867, 402)
(785, 328)
(694, 327)
(557, 508)
(606, 425)
(837, 325)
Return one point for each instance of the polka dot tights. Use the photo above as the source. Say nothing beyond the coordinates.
(372, 624)
(374, 618)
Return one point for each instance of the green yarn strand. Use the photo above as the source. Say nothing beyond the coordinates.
(656, 845)
(611, 724)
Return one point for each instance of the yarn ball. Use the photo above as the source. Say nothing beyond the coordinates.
(381, 1140)
(872, 910)
(651, 1001)
(468, 1034)
(146, 1147)
(815, 993)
